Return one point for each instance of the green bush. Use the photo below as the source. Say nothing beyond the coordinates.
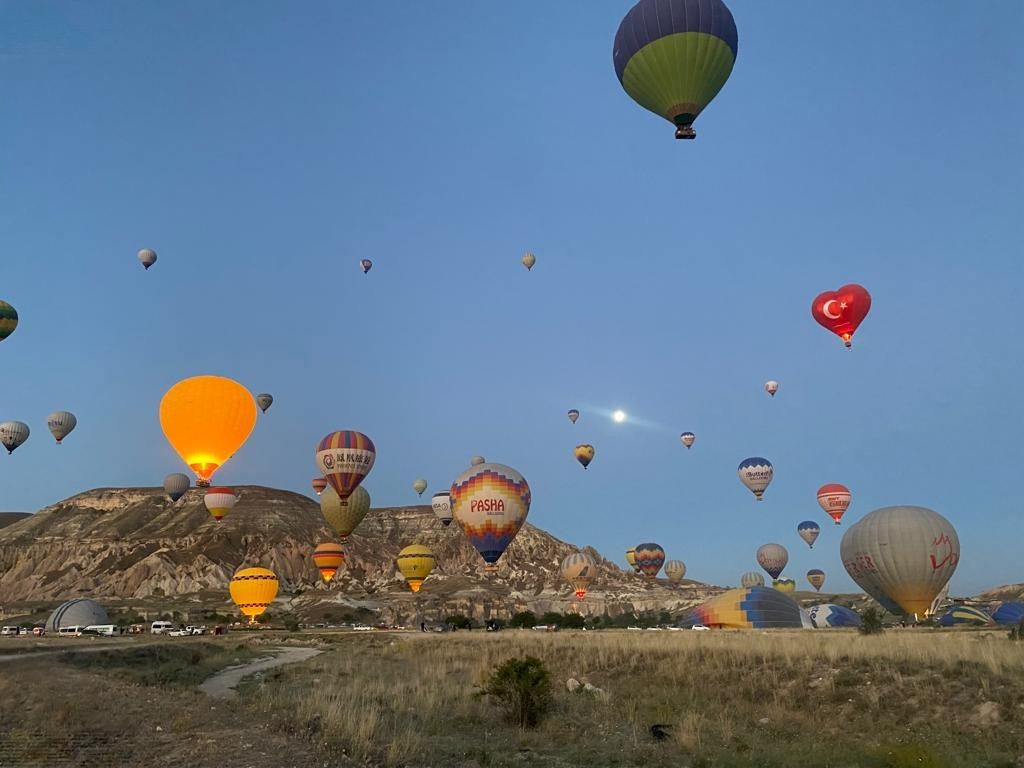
(459, 621)
(522, 688)
(523, 620)
(1017, 632)
(551, 617)
(290, 623)
(871, 622)
(571, 621)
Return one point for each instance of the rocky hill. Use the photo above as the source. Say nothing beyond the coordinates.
(9, 518)
(130, 545)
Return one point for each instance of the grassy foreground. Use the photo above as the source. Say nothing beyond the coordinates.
(906, 698)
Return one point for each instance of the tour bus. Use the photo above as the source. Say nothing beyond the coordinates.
(160, 627)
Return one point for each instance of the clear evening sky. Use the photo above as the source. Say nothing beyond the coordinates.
(263, 148)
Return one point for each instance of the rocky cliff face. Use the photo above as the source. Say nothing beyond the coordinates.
(128, 544)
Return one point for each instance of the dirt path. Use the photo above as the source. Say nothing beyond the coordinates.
(222, 685)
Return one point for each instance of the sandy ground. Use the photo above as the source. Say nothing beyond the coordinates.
(222, 685)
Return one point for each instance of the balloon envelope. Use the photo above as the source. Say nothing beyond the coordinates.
(13, 434)
(816, 578)
(773, 558)
(344, 518)
(253, 590)
(441, 503)
(1009, 614)
(631, 559)
(687, 439)
(219, 501)
(675, 570)
(419, 485)
(328, 558)
(415, 563)
(828, 615)
(366, 265)
(573, 415)
(808, 530)
(491, 502)
(477, 460)
(529, 260)
(206, 419)
(264, 401)
(649, 559)
(584, 454)
(319, 484)
(580, 570)
(784, 585)
(771, 387)
(749, 608)
(842, 311)
(344, 458)
(176, 484)
(756, 473)
(902, 556)
(147, 256)
(673, 56)
(966, 615)
(60, 424)
(8, 320)
(835, 500)
(751, 579)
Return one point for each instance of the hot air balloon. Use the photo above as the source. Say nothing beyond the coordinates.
(675, 570)
(345, 458)
(477, 461)
(491, 502)
(584, 454)
(328, 558)
(60, 424)
(901, 556)
(529, 260)
(965, 615)
(176, 485)
(773, 558)
(344, 518)
(816, 578)
(415, 563)
(264, 401)
(13, 434)
(649, 559)
(206, 419)
(580, 570)
(319, 484)
(771, 387)
(148, 257)
(749, 608)
(366, 264)
(756, 473)
(751, 579)
(808, 530)
(1009, 614)
(784, 585)
(631, 559)
(219, 501)
(441, 503)
(842, 311)
(835, 500)
(8, 320)
(253, 590)
(673, 57)
(419, 485)
(573, 415)
(827, 615)
(687, 439)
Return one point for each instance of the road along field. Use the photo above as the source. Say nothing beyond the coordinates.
(824, 698)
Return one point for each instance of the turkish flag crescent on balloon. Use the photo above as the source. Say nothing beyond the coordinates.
(843, 310)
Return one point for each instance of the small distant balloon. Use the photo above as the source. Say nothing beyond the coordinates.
(842, 311)
(60, 424)
(419, 485)
(771, 387)
(366, 265)
(529, 260)
(319, 484)
(328, 558)
(264, 401)
(13, 434)
(751, 579)
(756, 473)
(477, 460)
(441, 503)
(176, 485)
(573, 415)
(808, 530)
(835, 500)
(773, 558)
(580, 570)
(584, 454)
(649, 559)
(219, 501)
(687, 439)
(816, 578)
(675, 570)
(148, 257)
(8, 320)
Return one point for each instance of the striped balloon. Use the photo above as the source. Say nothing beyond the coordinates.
(13, 434)
(415, 563)
(649, 559)
(60, 424)
(319, 484)
(328, 558)
(491, 502)
(816, 578)
(749, 608)
(220, 501)
(253, 590)
(751, 579)
(345, 458)
(175, 485)
(675, 570)
(580, 570)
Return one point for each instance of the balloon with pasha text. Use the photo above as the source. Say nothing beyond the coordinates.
(490, 502)
(842, 311)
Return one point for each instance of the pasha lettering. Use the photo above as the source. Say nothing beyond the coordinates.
(487, 505)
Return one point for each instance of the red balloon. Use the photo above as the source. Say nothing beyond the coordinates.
(843, 310)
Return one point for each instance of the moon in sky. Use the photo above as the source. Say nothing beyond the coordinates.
(825, 311)
(619, 416)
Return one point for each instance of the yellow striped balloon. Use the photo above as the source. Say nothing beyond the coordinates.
(253, 590)
(415, 563)
(328, 558)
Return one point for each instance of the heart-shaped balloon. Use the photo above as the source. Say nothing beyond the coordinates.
(842, 311)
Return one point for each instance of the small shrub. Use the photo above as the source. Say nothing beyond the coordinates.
(459, 621)
(871, 622)
(523, 620)
(290, 623)
(522, 687)
(1017, 632)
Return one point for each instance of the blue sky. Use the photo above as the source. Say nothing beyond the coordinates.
(264, 149)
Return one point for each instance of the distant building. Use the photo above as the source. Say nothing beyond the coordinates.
(79, 612)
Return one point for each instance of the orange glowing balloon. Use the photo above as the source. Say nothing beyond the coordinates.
(206, 419)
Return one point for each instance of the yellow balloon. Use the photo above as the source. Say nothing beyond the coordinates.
(253, 590)
(415, 562)
(206, 419)
(344, 518)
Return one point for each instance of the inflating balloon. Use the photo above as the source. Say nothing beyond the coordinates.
(176, 485)
(60, 424)
(965, 615)
(749, 608)
(675, 570)
(687, 439)
(842, 311)
(773, 558)
(253, 590)
(580, 570)
(328, 558)
(649, 559)
(491, 502)
(756, 473)
(8, 320)
(901, 556)
(584, 454)
(206, 419)
(344, 458)
(264, 401)
(13, 434)
(816, 578)
(827, 615)
(219, 501)
(835, 500)
(673, 57)
(344, 518)
(148, 257)
(808, 530)
(441, 503)
(415, 563)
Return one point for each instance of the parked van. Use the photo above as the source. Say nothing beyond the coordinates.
(74, 631)
(8, 631)
(109, 630)
(160, 627)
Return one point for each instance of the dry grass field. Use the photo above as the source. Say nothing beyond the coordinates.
(827, 698)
